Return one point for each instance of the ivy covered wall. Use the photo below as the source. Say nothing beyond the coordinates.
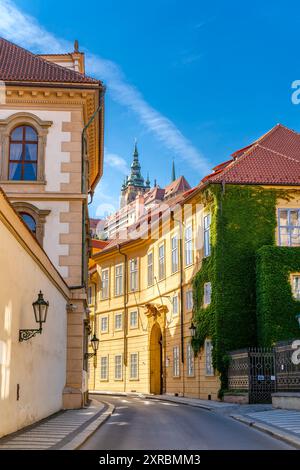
(243, 220)
(276, 306)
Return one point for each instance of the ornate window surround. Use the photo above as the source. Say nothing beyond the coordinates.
(6, 127)
(37, 214)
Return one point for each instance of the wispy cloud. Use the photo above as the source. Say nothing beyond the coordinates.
(23, 29)
(116, 162)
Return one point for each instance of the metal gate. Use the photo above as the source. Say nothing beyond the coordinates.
(262, 379)
(252, 370)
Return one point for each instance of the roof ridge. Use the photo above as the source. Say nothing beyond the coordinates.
(51, 65)
(278, 153)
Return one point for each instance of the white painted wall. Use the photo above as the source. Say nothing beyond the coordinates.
(53, 229)
(54, 156)
(37, 365)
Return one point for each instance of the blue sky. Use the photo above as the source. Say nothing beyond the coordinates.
(191, 80)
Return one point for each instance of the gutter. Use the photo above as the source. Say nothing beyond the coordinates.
(125, 297)
(84, 190)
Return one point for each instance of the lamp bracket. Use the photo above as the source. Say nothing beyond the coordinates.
(25, 335)
(89, 355)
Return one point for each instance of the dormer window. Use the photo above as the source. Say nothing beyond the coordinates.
(23, 154)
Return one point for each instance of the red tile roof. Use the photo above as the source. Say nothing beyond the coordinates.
(18, 64)
(272, 159)
(180, 184)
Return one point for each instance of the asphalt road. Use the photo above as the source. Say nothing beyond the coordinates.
(142, 424)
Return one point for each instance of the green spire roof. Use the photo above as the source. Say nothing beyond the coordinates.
(136, 179)
(173, 172)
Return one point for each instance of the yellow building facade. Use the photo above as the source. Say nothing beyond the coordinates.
(141, 303)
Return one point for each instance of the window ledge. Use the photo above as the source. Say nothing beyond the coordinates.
(23, 182)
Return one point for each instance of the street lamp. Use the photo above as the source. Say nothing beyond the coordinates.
(298, 318)
(40, 310)
(95, 347)
(192, 330)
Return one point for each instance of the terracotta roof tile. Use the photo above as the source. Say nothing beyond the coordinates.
(272, 159)
(18, 64)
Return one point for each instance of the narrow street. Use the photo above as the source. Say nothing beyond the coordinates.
(143, 424)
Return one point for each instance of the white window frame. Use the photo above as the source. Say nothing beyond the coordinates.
(150, 278)
(207, 294)
(206, 235)
(161, 262)
(117, 315)
(295, 281)
(134, 274)
(136, 324)
(175, 302)
(105, 284)
(104, 317)
(289, 226)
(136, 365)
(190, 360)
(188, 245)
(176, 361)
(119, 280)
(174, 254)
(104, 377)
(189, 301)
(118, 376)
(208, 347)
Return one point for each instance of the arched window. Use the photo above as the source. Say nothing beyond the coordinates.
(29, 221)
(23, 154)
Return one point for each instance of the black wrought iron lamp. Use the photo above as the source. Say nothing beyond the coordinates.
(95, 347)
(298, 318)
(192, 330)
(40, 309)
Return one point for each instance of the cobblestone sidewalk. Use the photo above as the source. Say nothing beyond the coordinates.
(65, 430)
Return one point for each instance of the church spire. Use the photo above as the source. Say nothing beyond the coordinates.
(173, 172)
(147, 182)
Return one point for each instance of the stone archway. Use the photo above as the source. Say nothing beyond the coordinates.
(156, 360)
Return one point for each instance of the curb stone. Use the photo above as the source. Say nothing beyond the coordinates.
(81, 438)
(272, 431)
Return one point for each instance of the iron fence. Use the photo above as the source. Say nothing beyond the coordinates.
(263, 371)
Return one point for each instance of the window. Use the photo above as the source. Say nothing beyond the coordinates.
(207, 293)
(207, 221)
(176, 367)
(133, 319)
(188, 245)
(104, 324)
(133, 266)
(23, 154)
(90, 295)
(104, 368)
(33, 217)
(161, 262)
(105, 284)
(296, 286)
(174, 253)
(189, 300)
(175, 305)
(209, 370)
(134, 366)
(118, 367)
(150, 268)
(118, 321)
(289, 227)
(24, 138)
(29, 221)
(190, 357)
(119, 280)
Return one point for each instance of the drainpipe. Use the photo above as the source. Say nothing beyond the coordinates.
(125, 297)
(84, 173)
